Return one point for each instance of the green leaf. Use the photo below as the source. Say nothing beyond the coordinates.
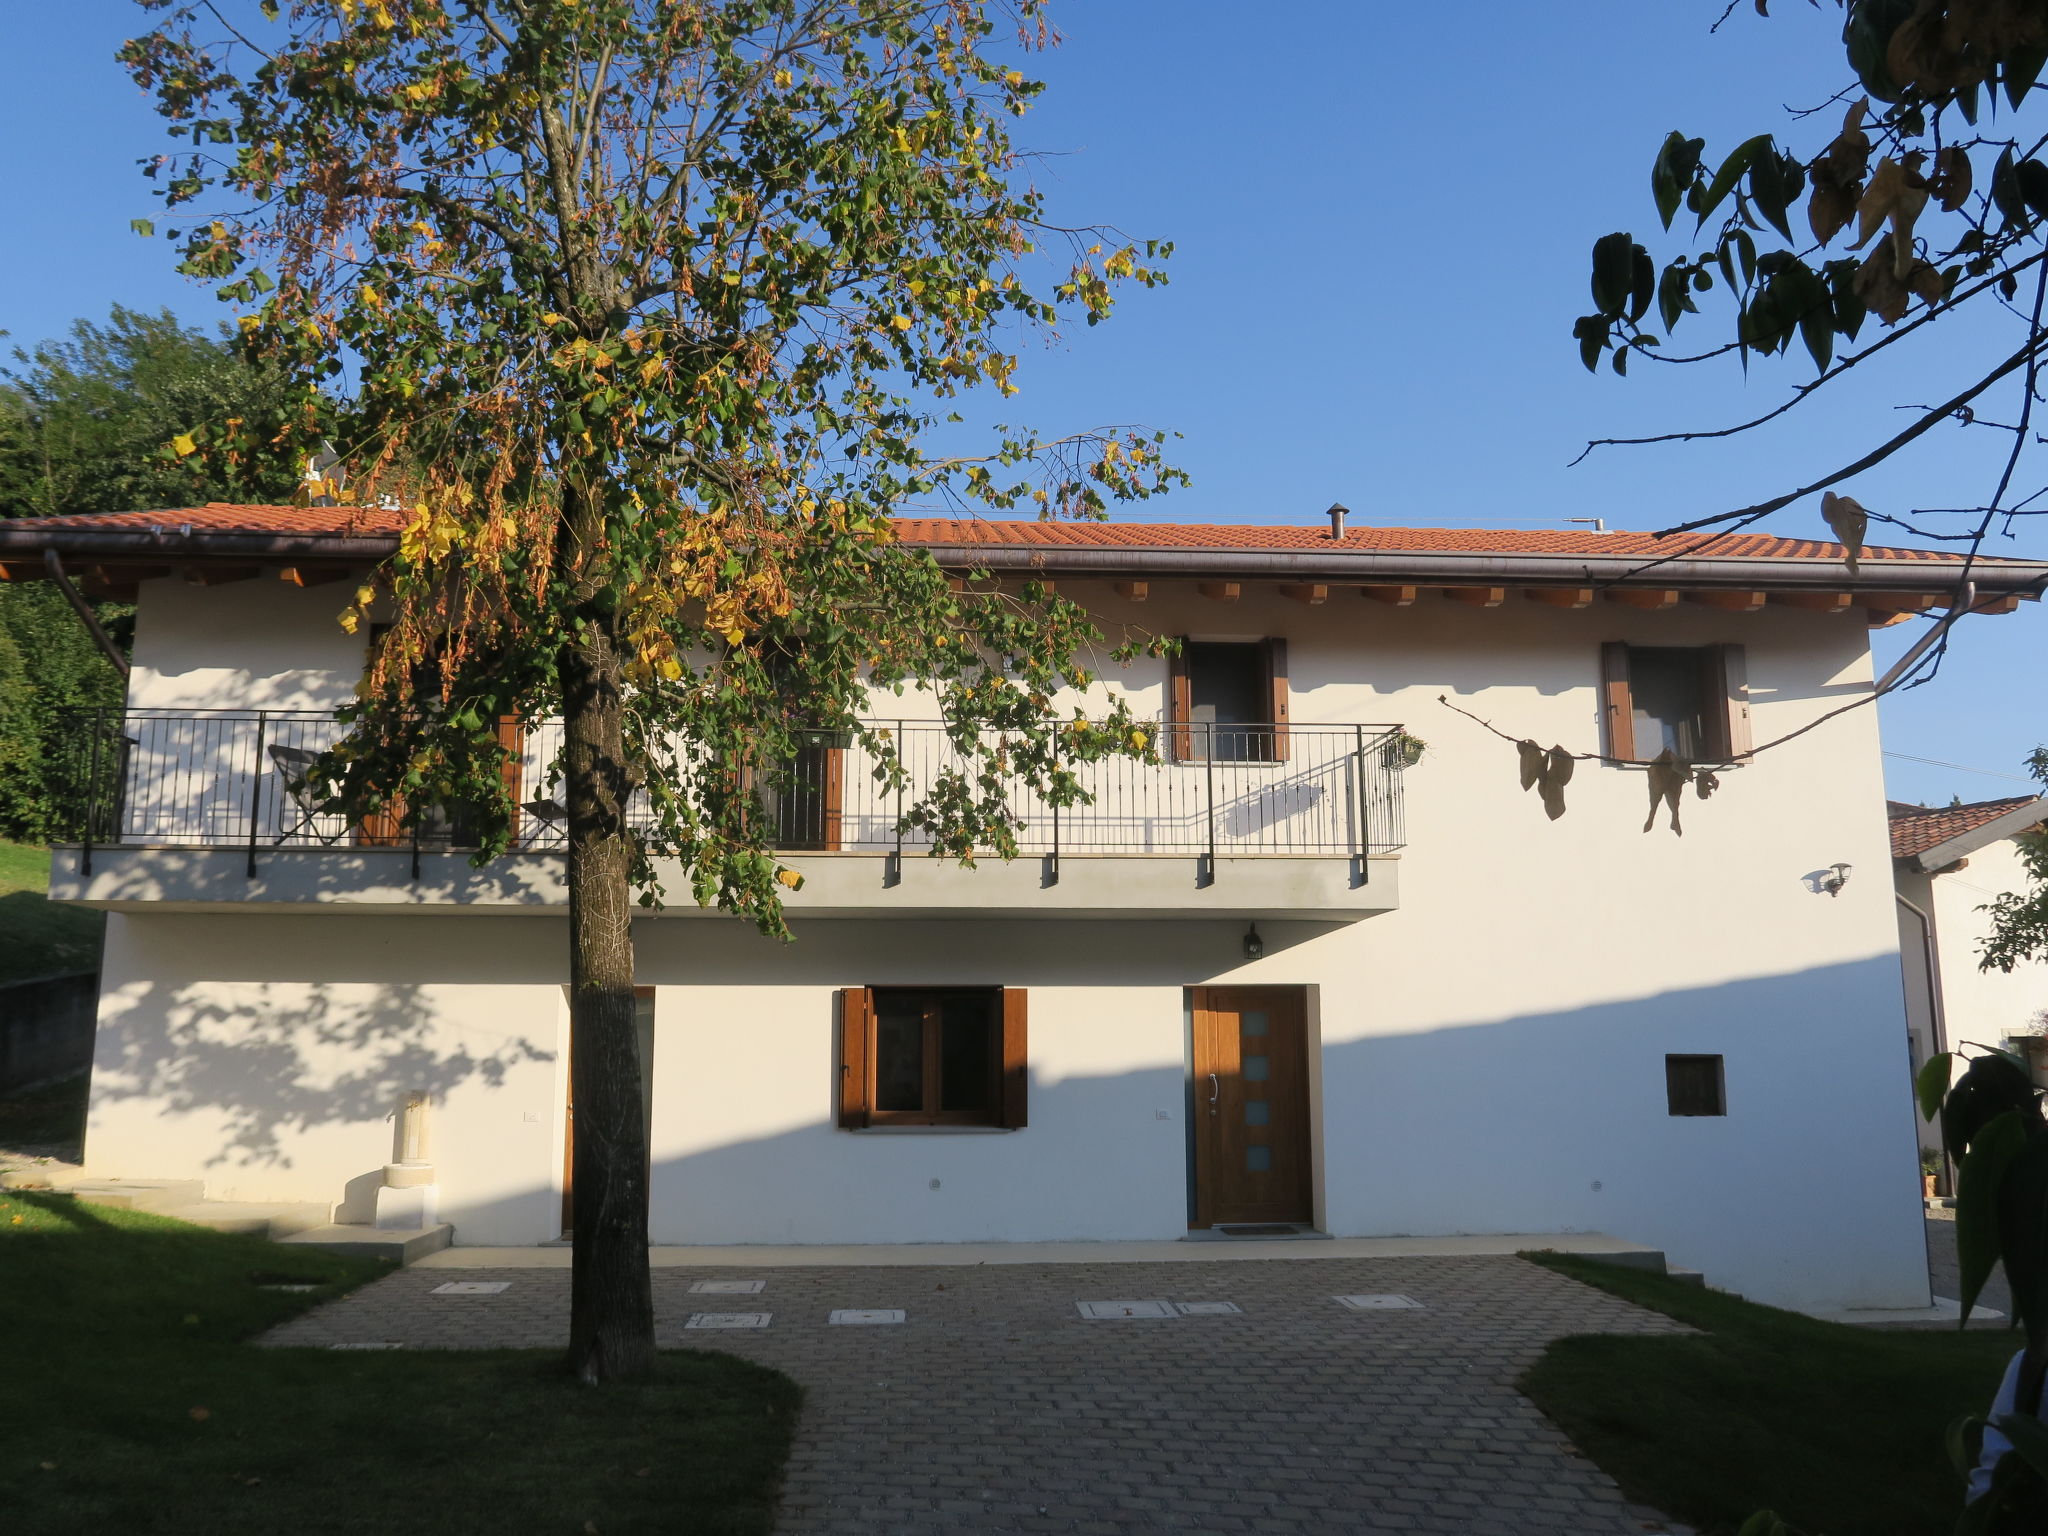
(1977, 1226)
(1868, 34)
(1774, 181)
(1930, 1084)
(143, 227)
(1731, 172)
(1621, 361)
(1591, 331)
(1817, 330)
(1678, 165)
(1674, 296)
(1991, 1085)
(1613, 273)
(1965, 1441)
(2031, 178)
(1642, 283)
(2005, 189)
(2022, 68)
(1847, 304)
(2023, 1237)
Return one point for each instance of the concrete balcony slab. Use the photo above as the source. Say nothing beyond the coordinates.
(836, 885)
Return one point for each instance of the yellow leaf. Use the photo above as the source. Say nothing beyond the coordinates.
(783, 78)
(901, 322)
(183, 446)
(1015, 77)
(649, 369)
(790, 878)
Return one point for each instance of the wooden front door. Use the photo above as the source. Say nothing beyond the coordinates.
(1251, 1106)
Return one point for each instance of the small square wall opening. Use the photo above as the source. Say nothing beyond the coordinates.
(1695, 1085)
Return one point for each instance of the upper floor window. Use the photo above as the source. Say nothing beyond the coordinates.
(1690, 701)
(1227, 700)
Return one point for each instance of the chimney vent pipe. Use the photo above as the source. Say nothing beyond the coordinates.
(1337, 513)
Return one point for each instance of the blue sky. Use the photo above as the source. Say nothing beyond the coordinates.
(1382, 216)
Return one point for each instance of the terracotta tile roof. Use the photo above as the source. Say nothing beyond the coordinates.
(220, 517)
(1917, 828)
(1489, 541)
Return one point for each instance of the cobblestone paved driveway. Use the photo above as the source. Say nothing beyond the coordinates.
(997, 1407)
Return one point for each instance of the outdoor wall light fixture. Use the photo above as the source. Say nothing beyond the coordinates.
(1832, 879)
(1254, 946)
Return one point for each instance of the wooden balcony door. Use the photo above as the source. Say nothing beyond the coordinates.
(1251, 1133)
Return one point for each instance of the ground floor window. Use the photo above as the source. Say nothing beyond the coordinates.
(932, 1056)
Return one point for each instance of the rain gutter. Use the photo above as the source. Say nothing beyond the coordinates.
(1438, 567)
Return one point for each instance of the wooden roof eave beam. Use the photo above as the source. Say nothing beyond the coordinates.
(1393, 597)
(1648, 599)
(1560, 597)
(1476, 597)
(1815, 602)
(1728, 601)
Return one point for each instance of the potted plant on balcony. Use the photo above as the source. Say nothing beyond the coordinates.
(1405, 750)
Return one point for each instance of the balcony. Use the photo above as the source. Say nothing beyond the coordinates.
(203, 810)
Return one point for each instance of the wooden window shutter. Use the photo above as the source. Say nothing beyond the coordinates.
(512, 772)
(1179, 701)
(834, 793)
(1617, 708)
(1016, 1060)
(1276, 688)
(1724, 686)
(856, 1029)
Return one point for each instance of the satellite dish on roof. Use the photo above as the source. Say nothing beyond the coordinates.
(324, 479)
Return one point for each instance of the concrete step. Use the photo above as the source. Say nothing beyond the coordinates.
(400, 1245)
(274, 1220)
(153, 1195)
(1686, 1276)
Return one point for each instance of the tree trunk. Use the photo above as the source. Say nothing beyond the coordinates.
(611, 1307)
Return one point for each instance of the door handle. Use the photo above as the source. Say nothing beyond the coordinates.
(1214, 1089)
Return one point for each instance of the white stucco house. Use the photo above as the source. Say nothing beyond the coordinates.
(1949, 863)
(1277, 979)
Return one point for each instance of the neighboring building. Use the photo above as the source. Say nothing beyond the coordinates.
(1949, 863)
(1459, 1015)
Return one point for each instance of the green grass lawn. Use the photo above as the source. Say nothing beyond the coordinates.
(37, 938)
(1839, 1429)
(130, 1402)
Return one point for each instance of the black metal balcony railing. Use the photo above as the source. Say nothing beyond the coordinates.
(233, 779)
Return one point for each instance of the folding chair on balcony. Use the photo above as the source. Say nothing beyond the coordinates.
(294, 772)
(549, 812)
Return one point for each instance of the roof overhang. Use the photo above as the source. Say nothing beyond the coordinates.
(2018, 578)
(115, 558)
(2022, 818)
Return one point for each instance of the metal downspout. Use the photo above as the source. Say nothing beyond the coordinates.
(83, 609)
